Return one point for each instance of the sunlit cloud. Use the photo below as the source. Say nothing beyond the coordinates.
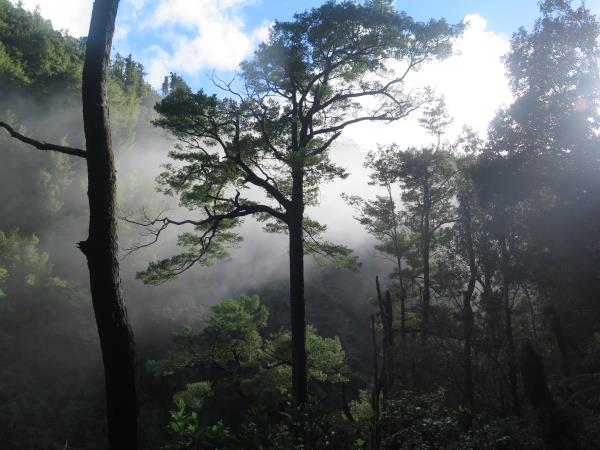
(473, 81)
(210, 34)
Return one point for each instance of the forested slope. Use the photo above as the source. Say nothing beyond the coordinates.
(50, 352)
(481, 332)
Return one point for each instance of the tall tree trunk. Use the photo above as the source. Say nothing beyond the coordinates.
(553, 318)
(510, 345)
(386, 316)
(297, 302)
(467, 296)
(489, 302)
(425, 248)
(101, 246)
(403, 350)
(531, 312)
(397, 251)
(556, 425)
(389, 343)
(375, 430)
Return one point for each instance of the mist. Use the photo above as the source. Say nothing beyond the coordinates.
(465, 314)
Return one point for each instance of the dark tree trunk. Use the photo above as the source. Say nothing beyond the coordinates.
(375, 431)
(403, 350)
(467, 309)
(425, 248)
(389, 343)
(297, 303)
(489, 302)
(346, 406)
(468, 344)
(101, 247)
(387, 321)
(553, 318)
(402, 287)
(557, 428)
(510, 345)
(426, 280)
(531, 312)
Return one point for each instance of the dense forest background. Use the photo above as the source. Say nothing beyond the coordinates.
(481, 331)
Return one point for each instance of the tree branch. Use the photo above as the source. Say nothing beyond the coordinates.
(40, 145)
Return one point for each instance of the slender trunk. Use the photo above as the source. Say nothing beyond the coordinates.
(468, 358)
(389, 342)
(531, 313)
(489, 303)
(557, 427)
(426, 282)
(510, 345)
(297, 303)
(403, 343)
(375, 432)
(387, 321)
(467, 309)
(346, 406)
(101, 246)
(425, 245)
(557, 330)
(396, 237)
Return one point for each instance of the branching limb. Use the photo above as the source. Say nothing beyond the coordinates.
(40, 145)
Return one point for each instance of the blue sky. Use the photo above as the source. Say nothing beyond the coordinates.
(193, 37)
(144, 40)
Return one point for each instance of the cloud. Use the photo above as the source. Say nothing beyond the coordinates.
(211, 34)
(473, 81)
(121, 33)
(71, 15)
(137, 4)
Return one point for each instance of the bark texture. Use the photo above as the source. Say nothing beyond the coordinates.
(101, 246)
(297, 302)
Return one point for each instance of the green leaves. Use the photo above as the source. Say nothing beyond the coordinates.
(325, 251)
(188, 433)
(33, 54)
(301, 89)
(233, 345)
(203, 249)
(194, 395)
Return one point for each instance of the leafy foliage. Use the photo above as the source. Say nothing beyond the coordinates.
(301, 89)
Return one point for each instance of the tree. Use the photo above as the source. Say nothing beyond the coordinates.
(32, 54)
(538, 177)
(234, 366)
(540, 168)
(327, 69)
(425, 179)
(426, 176)
(467, 230)
(100, 248)
(47, 338)
(383, 218)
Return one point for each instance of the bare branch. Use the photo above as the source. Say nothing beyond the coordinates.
(40, 145)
